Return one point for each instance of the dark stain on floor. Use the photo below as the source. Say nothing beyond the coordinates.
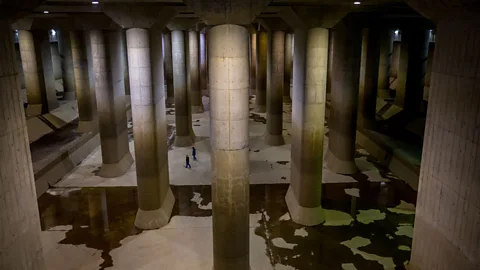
(283, 162)
(258, 118)
(102, 217)
(256, 151)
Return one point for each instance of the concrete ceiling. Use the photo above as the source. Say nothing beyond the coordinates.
(205, 9)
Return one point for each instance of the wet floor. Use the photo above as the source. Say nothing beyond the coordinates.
(101, 217)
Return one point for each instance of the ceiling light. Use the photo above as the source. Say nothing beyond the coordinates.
(45, 11)
(94, 2)
(356, 3)
(396, 32)
(53, 32)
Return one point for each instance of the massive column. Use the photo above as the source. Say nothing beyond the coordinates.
(344, 98)
(183, 111)
(228, 58)
(110, 92)
(288, 67)
(21, 247)
(369, 67)
(125, 65)
(203, 61)
(308, 117)
(330, 61)
(411, 70)
(275, 69)
(261, 85)
(33, 73)
(446, 232)
(67, 65)
(253, 61)
(386, 47)
(167, 47)
(155, 198)
(86, 109)
(45, 67)
(193, 73)
(57, 67)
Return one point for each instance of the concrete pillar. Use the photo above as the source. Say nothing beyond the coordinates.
(229, 68)
(57, 67)
(44, 55)
(308, 117)
(275, 69)
(193, 73)
(20, 247)
(33, 73)
(330, 61)
(155, 198)
(91, 73)
(86, 115)
(183, 111)
(288, 68)
(386, 47)
(253, 61)
(167, 46)
(203, 62)
(261, 85)
(446, 232)
(125, 65)
(411, 70)
(67, 65)
(369, 67)
(428, 72)
(394, 63)
(342, 122)
(110, 92)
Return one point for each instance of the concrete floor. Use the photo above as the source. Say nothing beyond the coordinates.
(87, 221)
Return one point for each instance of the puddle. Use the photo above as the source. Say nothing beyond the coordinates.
(100, 218)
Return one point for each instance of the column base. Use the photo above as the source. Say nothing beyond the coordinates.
(287, 99)
(34, 110)
(197, 109)
(117, 169)
(183, 141)
(340, 166)
(260, 109)
(154, 219)
(274, 140)
(87, 126)
(303, 215)
(69, 96)
(232, 264)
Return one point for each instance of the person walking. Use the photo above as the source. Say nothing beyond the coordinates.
(194, 153)
(187, 162)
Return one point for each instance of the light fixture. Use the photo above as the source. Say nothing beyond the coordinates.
(94, 2)
(46, 11)
(357, 3)
(53, 32)
(396, 32)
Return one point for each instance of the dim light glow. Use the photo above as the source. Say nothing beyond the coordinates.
(54, 32)
(94, 2)
(396, 32)
(46, 11)
(356, 3)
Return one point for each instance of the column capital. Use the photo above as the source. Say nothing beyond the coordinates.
(184, 24)
(140, 15)
(325, 16)
(273, 24)
(86, 21)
